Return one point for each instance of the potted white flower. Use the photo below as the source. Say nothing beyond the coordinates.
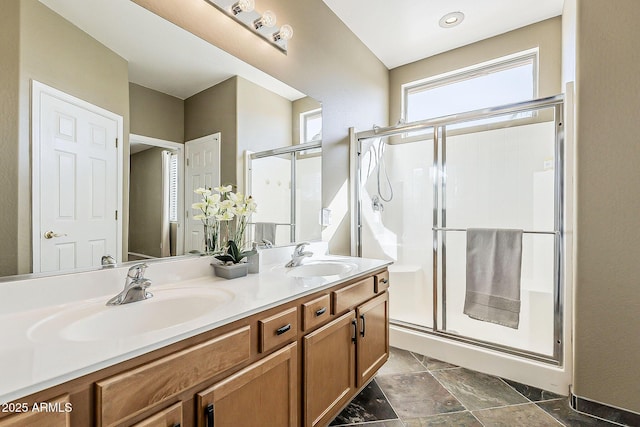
(225, 216)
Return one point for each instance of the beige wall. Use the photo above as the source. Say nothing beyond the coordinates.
(155, 114)
(145, 207)
(545, 35)
(325, 60)
(264, 122)
(58, 54)
(300, 106)
(215, 110)
(607, 294)
(9, 77)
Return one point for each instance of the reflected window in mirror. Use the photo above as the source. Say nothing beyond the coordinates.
(288, 184)
(311, 126)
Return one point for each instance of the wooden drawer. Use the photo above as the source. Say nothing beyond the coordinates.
(316, 312)
(127, 394)
(170, 417)
(278, 329)
(381, 281)
(352, 295)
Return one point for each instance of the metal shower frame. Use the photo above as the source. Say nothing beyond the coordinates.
(439, 228)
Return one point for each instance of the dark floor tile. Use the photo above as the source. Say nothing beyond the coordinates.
(527, 415)
(561, 411)
(478, 391)
(532, 393)
(458, 419)
(417, 395)
(369, 405)
(392, 423)
(432, 364)
(400, 361)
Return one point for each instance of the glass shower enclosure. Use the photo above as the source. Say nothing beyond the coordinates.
(420, 186)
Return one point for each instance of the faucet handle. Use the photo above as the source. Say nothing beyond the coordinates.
(300, 247)
(137, 271)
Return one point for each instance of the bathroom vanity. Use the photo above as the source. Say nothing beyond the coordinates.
(275, 349)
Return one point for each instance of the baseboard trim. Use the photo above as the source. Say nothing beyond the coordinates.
(605, 412)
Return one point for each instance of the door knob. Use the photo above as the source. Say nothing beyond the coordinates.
(50, 235)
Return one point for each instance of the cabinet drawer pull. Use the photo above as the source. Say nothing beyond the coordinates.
(284, 329)
(363, 325)
(322, 311)
(354, 322)
(176, 425)
(384, 281)
(208, 412)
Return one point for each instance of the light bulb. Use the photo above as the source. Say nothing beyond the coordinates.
(285, 33)
(268, 19)
(243, 6)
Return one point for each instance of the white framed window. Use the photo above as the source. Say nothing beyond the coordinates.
(311, 126)
(505, 80)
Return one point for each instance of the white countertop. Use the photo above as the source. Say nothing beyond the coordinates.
(32, 360)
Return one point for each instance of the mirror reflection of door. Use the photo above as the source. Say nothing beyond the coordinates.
(155, 220)
(76, 196)
(202, 169)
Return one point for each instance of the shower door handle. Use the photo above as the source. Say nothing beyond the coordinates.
(364, 325)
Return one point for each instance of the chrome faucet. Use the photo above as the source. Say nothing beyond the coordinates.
(107, 261)
(135, 287)
(298, 255)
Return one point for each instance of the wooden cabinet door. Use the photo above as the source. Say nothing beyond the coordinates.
(373, 337)
(263, 394)
(55, 413)
(170, 417)
(329, 369)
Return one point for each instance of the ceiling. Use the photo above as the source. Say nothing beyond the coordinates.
(161, 55)
(402, 31)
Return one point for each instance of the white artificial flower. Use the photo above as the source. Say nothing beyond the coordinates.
(213, 199)
(226, 216)
(203, 191)
(199, 205)
(227, 204)
(223, 189)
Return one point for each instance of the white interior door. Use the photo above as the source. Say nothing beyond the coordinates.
(76, 186)
(202, 170)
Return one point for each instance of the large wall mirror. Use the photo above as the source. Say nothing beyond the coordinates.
(183, 104)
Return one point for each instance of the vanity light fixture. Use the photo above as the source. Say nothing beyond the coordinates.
(285, 33)
(451, 19)
(243, 11)
(268, 19)
(243, 6)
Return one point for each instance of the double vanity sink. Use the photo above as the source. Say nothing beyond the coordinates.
(62, 330)
(170, 307)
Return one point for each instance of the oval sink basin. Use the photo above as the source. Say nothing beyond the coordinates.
(320, 269)
(94, 321)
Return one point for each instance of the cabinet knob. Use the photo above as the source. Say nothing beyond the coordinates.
(320, 312)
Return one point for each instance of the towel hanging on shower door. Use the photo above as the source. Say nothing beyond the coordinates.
(494, 264)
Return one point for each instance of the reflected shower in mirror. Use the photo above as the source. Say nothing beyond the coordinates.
(162, 82)
(287, 181)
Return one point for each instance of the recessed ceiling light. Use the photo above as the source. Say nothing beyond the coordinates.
(451, 19)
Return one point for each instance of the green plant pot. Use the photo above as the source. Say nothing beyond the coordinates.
(231, 271)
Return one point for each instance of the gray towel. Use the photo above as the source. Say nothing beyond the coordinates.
(494, 263)
(265, 231)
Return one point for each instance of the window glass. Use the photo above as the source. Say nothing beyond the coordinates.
(311, 126)
(500, 83)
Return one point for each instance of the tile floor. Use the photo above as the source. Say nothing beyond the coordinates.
(412, 390)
